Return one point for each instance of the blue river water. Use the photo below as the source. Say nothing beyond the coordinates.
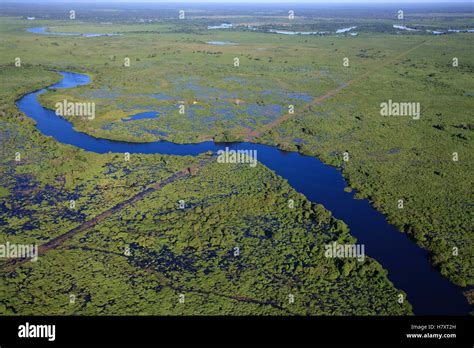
(407, 264)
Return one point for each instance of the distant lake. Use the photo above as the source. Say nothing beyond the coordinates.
(221, 43)
(42, 30)
(403, 27)
(287, 32)
(344, 30)
(221, 26)
(290, 32)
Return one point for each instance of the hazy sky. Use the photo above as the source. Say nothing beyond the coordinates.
(259, 1)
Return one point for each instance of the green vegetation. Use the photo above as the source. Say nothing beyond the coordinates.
(398, 158)
(190, 251)
(173, 251)
(226, 103)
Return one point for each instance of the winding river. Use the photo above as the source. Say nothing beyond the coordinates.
(407, 264)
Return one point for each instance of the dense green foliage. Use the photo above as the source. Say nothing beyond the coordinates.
(172, 251)
(224, 102)
(190, 251)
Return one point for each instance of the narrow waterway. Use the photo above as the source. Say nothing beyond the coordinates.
(407, 264)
